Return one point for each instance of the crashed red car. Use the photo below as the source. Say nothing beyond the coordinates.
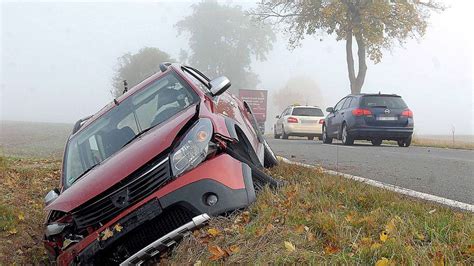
(153, 164)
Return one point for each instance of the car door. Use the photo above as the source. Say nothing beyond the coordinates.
(334, 119)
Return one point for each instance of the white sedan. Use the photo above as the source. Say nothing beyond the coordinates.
(301, 121)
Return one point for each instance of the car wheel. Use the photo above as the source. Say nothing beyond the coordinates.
(404, 142)
(284, 135)
(377, 142)
(275, 135)
(345, 137)
(325, 137)
(269, 157)
(311, 138)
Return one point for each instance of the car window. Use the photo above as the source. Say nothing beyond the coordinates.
(144, 109)
(339, 104)
(347, 103)
(354, 102)
(383, 102)
(307, 111)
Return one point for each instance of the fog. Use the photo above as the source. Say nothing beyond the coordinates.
(58, 60)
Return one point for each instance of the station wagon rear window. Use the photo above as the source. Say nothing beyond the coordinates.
(391, 102)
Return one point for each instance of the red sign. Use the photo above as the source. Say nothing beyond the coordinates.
(257, 99)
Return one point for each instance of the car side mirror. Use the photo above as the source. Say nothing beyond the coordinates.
(219, 85)
(330, 110)
(51, 196)
(277, 117)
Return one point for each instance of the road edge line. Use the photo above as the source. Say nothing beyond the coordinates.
(397, 189)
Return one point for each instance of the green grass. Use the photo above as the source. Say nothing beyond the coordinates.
(24, 182)
(332, 220)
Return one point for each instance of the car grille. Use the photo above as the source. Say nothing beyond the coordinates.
(142, 236)
(132, 189)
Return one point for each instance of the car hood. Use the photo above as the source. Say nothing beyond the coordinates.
(123, 163)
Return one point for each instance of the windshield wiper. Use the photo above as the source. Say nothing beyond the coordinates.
(137, 135)
(85, 172)
(378, 106)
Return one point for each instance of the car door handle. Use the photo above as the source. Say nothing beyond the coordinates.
(342, 113)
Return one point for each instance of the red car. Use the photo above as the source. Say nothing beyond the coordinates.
(150, 166)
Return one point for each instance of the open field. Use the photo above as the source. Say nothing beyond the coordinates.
(29, 139)
(445, 141)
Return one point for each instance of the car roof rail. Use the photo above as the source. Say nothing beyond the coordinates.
(164, 66)
(79, 124)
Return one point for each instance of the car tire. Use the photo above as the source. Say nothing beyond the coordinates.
(325, 137)
(275, 135)
(269, 157)
(404, 142)
(284, 135)
(345, 137)
(311, 138)
(376, 142)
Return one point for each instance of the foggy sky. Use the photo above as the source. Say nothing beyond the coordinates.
(58, 60)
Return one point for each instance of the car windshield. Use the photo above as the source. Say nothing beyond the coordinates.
(307, 111)
(391, 102)
(143, 110)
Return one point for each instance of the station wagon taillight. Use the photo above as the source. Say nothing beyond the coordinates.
(321, 121)
(361, 112)
(407, 113)
(292, 119)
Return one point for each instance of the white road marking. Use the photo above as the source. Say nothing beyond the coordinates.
(404, 191)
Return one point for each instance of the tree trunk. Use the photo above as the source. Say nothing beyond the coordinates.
(356, 81)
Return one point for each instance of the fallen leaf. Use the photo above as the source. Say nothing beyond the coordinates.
(213, 232)
(198, 263)
(383, 236)
(289, 246)
(216, 252)
(391, 227)
(12, 231)
(21, 216)
(310, 236)
(331, 249)
(234, 248)
(419, 236)
(375, 246)
(382, 262)
(438, 259)
(106, 234)
(300, 229)
(432, 211)
(118, 228)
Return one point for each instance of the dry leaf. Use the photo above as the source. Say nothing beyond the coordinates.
(310, 236)
(198, 263)
(21, 216)
(289, 246)
(375, 246)
(438, 259)
(234, 248)
(331, 249)
(300, 229)
(383, 236)
(213, 232)
(382, 262)
(118, 228)
(12, 231)
(390, 227)
(106, 234)
(216, 252)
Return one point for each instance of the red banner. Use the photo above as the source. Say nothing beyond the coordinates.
(257, 99)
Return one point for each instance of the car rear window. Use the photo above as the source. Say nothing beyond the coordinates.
(383, 102)
(307, 112)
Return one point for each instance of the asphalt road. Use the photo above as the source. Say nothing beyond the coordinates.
(446, 173)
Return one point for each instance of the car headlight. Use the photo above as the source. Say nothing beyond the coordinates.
(193, 148)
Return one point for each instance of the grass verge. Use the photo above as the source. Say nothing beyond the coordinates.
(24, 182)
(324, 219)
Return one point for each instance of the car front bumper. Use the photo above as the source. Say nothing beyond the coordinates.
(227, 178)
